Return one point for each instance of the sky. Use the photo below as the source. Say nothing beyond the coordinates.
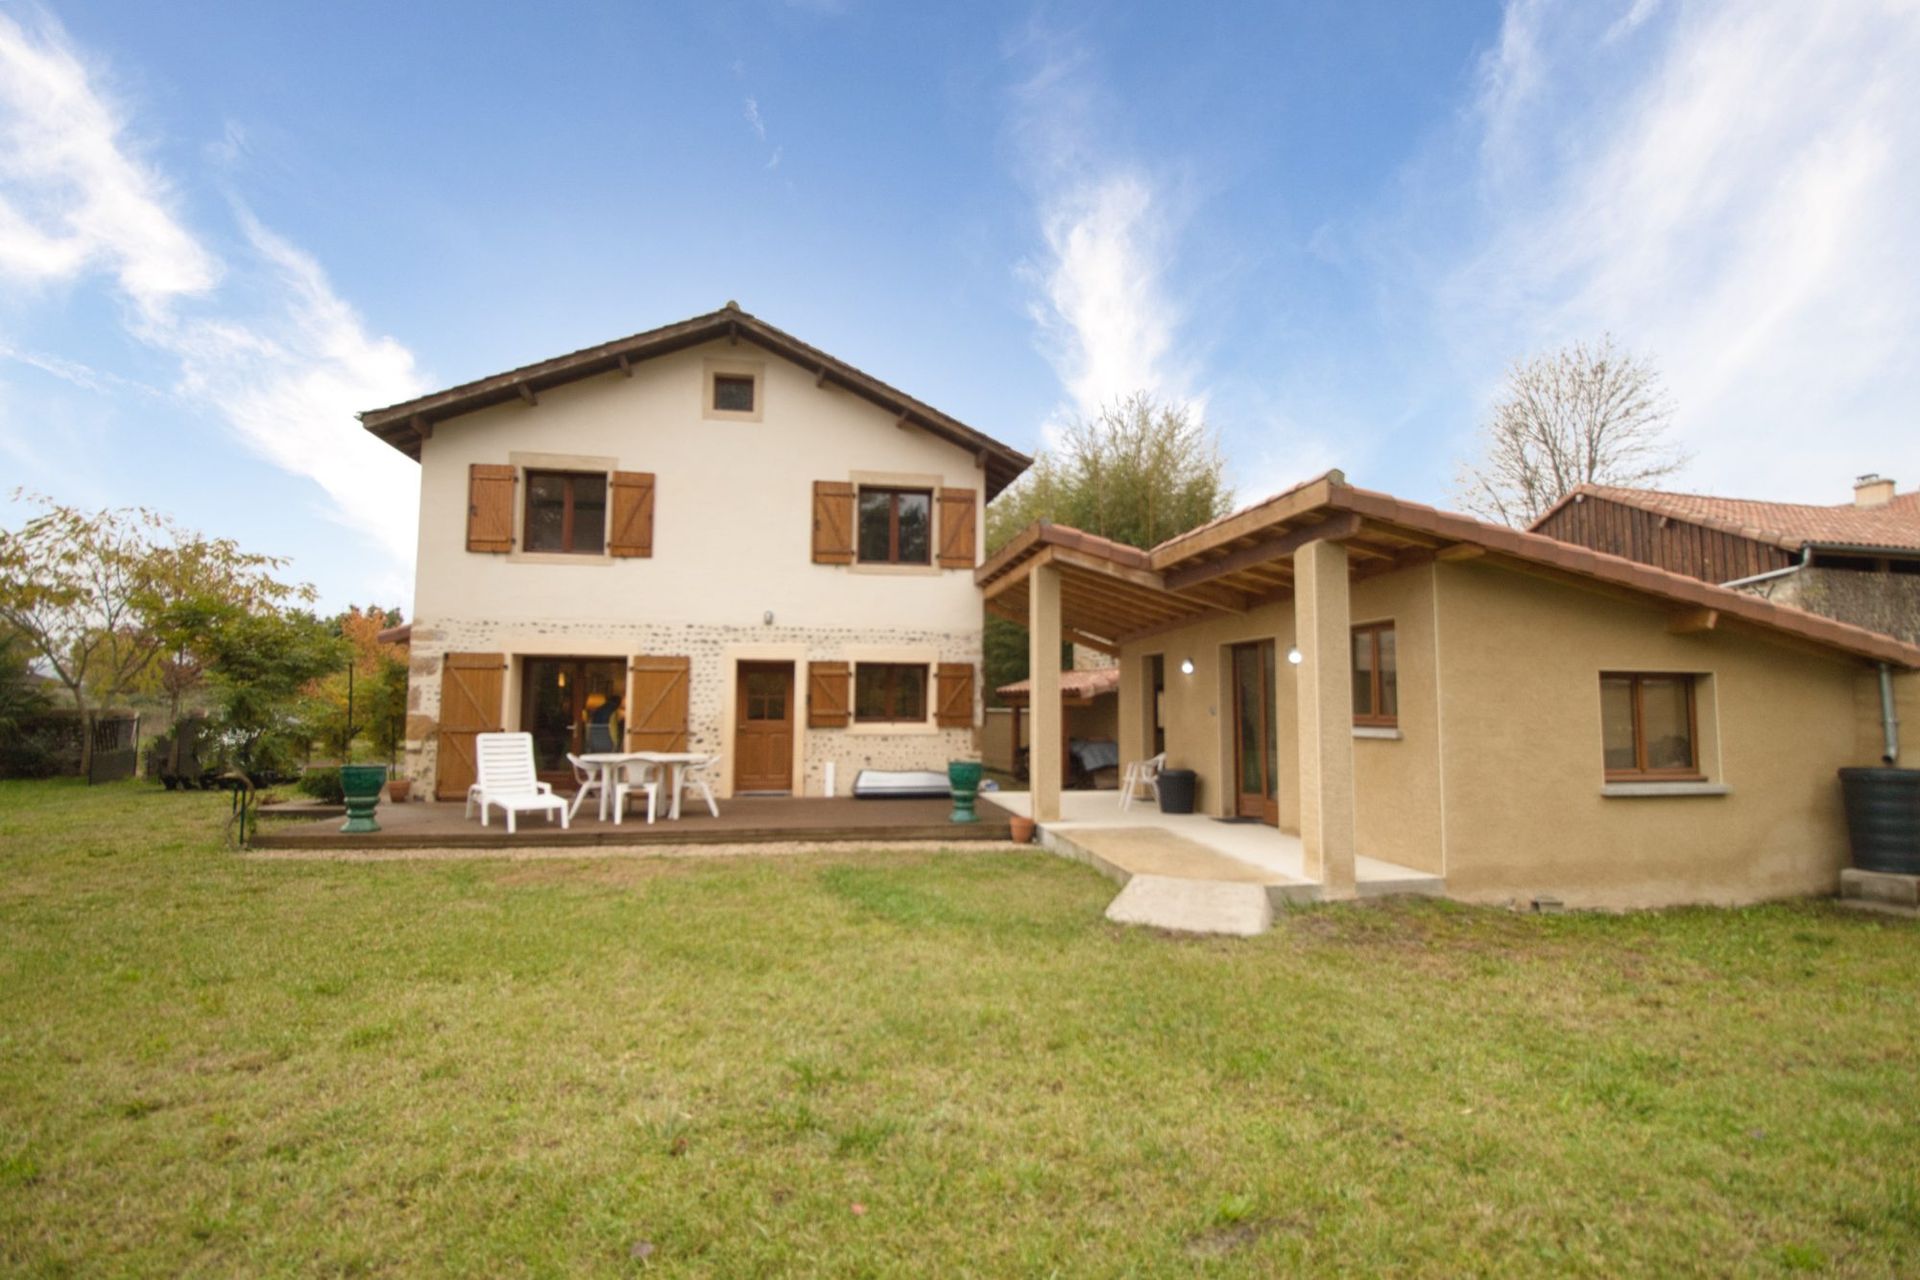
(1330, 228)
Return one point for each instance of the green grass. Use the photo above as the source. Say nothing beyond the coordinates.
(910, 1065)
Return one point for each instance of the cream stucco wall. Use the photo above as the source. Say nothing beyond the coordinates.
(1520, 701)
(1495, 780)
(732, 544)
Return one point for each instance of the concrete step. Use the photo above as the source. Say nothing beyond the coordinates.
(1885, 887)
(1193, 906)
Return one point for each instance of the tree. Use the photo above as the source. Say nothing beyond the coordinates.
(1138, 472)
(88, 591)
(1580, 415)
(22, 700)
(365, 703)
(260, 668)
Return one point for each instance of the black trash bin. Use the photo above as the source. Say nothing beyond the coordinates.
(1883, 818)
(1176, 790)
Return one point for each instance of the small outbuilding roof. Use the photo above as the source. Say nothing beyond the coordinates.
(1893, 525)
(405, 425)
(1111, 593)
(1074, 685)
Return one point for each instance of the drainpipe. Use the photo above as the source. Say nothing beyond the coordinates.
(1889, 722)
(1806, 558)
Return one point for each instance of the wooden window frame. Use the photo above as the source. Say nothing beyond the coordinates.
(894, 494)
(1376, 692)
(713, 392)
(892, 668)
(566, 547)
(1640, 773)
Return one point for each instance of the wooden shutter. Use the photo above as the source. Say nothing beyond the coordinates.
(490, 508)
(953, 699)
(832, 522)
(956, 528)
(828, 687)
(632, 528)
(471, 685)
(657, 709)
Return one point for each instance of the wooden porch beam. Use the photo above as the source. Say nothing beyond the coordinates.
(526, 393)
(1333, 529)
(1459, 551)
(626, 367)
(1093, 642)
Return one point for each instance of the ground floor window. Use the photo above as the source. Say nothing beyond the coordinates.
(1649, 727)
(1376, 676)
(890, 692)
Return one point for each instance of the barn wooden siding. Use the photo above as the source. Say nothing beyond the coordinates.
(1663, 541)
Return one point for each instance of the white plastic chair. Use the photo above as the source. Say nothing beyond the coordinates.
(644, 777)
(1142, 773)
(504, 762)
(590, 779)
(699, 776)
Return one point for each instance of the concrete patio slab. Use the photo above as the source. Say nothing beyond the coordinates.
(1239, 908)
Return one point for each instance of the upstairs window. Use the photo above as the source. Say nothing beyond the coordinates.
(896, 526)
(1376, 677)
(893, 692)
(1648, 727)
(566, 512)
(733, 392)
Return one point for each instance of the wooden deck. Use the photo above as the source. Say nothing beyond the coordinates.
(748, 820)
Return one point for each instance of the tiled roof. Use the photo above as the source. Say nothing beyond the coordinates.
(1074, 684)
(1893, 526)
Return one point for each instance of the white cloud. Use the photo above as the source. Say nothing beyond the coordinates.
(263, 341)
(753, 120)
(72, 194)
(1735, 191)
(1104, 315)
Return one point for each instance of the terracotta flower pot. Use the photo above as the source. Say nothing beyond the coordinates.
(398, 788)
(1022, 829)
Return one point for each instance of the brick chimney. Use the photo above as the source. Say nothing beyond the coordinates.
(1872, 490)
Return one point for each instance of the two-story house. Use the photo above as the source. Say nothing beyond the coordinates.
(710, 535)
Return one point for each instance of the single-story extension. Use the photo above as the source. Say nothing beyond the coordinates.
(1518, 716)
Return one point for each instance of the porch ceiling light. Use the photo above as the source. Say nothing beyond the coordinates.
(1186, 666)
(1293, 654)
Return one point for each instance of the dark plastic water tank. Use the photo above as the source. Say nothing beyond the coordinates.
(1883, 818)
(1176, 790)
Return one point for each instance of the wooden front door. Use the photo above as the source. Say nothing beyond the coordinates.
(1255, 752)
(470, 690)
(763, 727)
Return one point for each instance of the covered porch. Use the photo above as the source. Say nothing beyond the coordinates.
(1236, 647)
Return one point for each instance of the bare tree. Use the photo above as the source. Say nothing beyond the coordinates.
(1575, 416)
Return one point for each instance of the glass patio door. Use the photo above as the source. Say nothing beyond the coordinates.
(559, 696)
(1255, 749)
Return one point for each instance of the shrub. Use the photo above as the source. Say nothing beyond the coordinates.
(323, 784)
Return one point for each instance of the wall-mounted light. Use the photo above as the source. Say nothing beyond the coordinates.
(767, 617)
(1186, 666)
(1293, 654)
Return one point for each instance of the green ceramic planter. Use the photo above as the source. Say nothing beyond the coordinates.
(964, 777)
(362, 784)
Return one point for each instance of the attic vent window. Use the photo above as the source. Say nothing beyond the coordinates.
(733, 392)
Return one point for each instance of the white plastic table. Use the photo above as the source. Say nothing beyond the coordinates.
(607, 763)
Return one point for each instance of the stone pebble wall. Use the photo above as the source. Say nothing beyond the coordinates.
(1885, 602)
(706, 646)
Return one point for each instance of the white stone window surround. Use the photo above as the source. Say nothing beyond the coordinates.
(522, 462)
(898, 480)
(909, 655)
(733, 367)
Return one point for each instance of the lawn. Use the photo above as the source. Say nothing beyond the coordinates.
(910, 1064)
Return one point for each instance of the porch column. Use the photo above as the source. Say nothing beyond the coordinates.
(1046, 757)
(1325, 700)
